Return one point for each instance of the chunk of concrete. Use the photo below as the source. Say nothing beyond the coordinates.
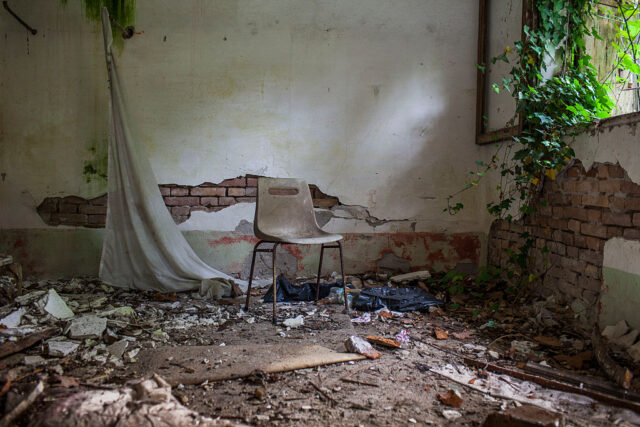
(117, 348)
(524, 416)
(56, 306)
(612, 332)
(409, 277)
(33, 360)
(87, 327)
(13, 320)
(628, 339)
(61, 348)
(634, 352)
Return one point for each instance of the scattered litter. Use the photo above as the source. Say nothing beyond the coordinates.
(395, 299)
(403, 337)
(216, 288)
(451, 398)
(523, 347)
(462, 335)
(33, 360)
(627, 339)
(451, 414)
(386, 342)
(286, 291)
(56, 307)
(365, 318)
(294, 322)
(355, 344)
(118, 348)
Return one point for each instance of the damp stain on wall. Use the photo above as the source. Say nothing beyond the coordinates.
(95, 169)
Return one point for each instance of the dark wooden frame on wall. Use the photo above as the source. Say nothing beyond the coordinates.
(482, 135)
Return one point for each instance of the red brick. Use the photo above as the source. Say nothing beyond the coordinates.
(594, 243)
(591, 270)
(558, 224)
(252, 182)
(592, 257)
(208, 191)
(234, 182)
(235, 192)
(576, 199)
(180, 211)
(325, 203)
(580, 241)
(615, 171)
(68, 219)
(97, 219)
(632, 203)
(630, 187)
(182, 201)
(99, 201)
(603, 171)
(74, 200)
(590, 297)
(179, 191)
(596, 230)
(572, 251)
(614, 232)
(558, 198)
(599, 200)
(576, 213)
(209, 201)
(631, 233)
(621, 219)
(592, 173)
(636, 219)
(92, 210)
(545, 210)
(165, 191)
(558, 211)
(574, 225)
(569, 186)
(245, 199)
(68, 208)
(618, 204)
(226, 201)
(251, 191)
(574, 172)
(609, 186)
(594, 215)
(49, 205)
(590, 284)
(586, 186)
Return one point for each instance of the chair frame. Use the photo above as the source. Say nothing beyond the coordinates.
(331, 245)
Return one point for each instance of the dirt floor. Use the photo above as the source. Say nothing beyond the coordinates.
(426, 381)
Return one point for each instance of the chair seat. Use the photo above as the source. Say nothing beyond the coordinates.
(315, 238)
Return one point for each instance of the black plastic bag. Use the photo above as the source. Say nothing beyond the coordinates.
(396, 299)
(288, 292)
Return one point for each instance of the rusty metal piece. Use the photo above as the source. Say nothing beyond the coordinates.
(33, 31)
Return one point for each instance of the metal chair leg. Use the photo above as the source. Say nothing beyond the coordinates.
(319, 272)
(275, 284)
(253, 263)
(344, 278)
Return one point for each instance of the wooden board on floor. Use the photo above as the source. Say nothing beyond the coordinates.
(196, 364)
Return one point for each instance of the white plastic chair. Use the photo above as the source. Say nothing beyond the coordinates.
(284, 215)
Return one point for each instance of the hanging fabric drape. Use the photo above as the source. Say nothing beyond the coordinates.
(143, 248)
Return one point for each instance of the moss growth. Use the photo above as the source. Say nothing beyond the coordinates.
(95, 170)
(123, 11)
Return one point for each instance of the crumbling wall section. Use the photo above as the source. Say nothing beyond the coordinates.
(577, 214)
(181, 200)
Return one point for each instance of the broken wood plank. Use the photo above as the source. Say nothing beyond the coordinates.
(11, 347)
(557, 385)
(619, 374)
(575, 379)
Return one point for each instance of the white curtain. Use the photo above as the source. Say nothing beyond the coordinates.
(143, 248)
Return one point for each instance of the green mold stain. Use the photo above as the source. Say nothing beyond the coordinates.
(95, 169)
(123, 11)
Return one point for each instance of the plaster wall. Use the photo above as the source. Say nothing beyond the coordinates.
(371, 100)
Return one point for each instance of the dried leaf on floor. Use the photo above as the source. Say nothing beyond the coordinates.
(441, 334)
(451, 398)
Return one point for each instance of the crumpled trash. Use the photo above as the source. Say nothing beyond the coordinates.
(294, 322)
(287, 292)
(396, 299)
(140, 403)
(216, 288)
(403, 337)
(365, 318)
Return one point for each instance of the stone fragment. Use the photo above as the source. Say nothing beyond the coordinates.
(117, 348)
(634, 352)
(56, 306)
(451, 414)
(33, 360)
(13, 320)
(410, 277)
(524, 416)
(612, 332)
(61, 348)
(628, 339)
(89, 326)
(355, 344)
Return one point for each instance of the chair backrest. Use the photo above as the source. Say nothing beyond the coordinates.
(284, 207)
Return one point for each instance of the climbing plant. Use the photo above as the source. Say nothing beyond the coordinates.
(557, 94)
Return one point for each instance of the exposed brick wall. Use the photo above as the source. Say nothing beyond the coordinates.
(582, 210)
(181, 200)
